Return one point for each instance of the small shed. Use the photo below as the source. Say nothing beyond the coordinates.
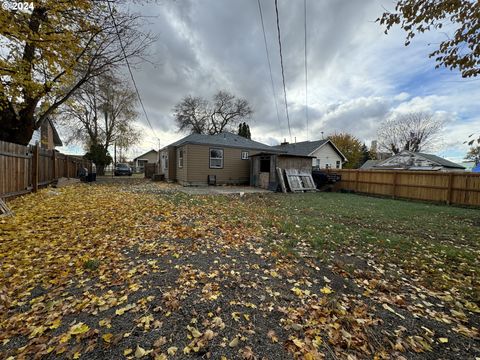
(263, 173)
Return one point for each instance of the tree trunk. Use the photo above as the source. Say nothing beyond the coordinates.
(100, 170)
(15, 128)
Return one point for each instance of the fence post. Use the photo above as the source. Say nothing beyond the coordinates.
(394, 188)
(54, 160)
(35, 161)
(67, 173)
(356, 180)
(450, 188)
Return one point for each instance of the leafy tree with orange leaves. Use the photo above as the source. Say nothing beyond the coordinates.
(351, 147)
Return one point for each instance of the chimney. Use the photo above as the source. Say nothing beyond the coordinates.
(285, 142)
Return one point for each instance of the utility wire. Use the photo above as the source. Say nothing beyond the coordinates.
(306, 72)
(283, 74)
(130, 71)
(269, 63)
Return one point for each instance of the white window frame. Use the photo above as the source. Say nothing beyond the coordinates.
(216, 158)
(180, 158)
(338, 164)
(244, 155)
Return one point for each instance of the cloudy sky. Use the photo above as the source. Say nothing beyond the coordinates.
(357, 75)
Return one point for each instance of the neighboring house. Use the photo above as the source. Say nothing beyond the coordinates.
(201, 159)
(407, 160)
(150, 157)
(46, 136)
(324, 153)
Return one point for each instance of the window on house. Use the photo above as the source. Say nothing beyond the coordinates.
(327, 166)
(216, 158)
(318, 163)
(265, 164)
(338, 164)
(244, 155)
(180, 158)
(166, 162)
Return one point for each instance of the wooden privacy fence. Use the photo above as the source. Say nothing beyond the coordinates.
(461, 188)
(24, 169)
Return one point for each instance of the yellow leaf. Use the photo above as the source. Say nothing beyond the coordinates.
(65, 338)
(247, 317)
(55, 324)
(297, 291)
(172, 350)
(236, 316)
(194, 331)
(140, 352)
(443, 340)
(107, 337)
(39, 330)
(234, 342)
(76, 355)
(161, 357)
(79, 328)
(127, 351)
(326, 290)
(298, 342)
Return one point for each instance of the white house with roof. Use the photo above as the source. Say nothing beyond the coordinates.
(324, 152)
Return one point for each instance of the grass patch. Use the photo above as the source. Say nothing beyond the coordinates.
(439, 244)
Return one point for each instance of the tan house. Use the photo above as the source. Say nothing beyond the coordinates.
(210, 159)
(324, 153)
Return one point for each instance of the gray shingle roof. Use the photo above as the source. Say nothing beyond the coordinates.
(307, 147)
(301, 148)
(224, 139)
(441, 161)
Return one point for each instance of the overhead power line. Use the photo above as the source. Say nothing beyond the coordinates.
(269, 63)
(283, 73)
(130, 71)
(306, 72)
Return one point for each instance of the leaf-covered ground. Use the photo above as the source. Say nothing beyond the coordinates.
(137, 270)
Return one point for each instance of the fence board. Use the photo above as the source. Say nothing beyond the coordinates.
(459, 188)
(19, 174)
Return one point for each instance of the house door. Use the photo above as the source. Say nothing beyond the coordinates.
(264, 171)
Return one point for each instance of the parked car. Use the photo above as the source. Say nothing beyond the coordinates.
(123, 169)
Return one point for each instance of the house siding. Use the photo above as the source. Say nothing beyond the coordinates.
(327, 155)
(182, 171)
(197, 161)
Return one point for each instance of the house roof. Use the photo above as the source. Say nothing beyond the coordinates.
(263, 153)
(307, 147)
(148, 152)
(369, 164)
(224, 139)
(441, 161)
(56, 138)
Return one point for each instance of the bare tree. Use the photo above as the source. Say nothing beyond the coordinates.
(191, 115)
(197, 115)
(414, 131)
(101, 112)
